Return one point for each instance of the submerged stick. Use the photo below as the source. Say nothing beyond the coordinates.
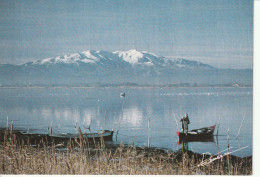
(212, 158)
(241, 125)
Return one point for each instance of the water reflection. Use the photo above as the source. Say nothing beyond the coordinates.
(87, 116)
(103, 108)
(132, 116)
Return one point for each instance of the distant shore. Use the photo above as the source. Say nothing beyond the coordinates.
(131, 86)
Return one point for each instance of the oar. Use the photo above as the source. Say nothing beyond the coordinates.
(176, 121)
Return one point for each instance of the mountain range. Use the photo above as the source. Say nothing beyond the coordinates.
(92, 68)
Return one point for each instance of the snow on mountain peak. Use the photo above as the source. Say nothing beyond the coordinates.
(71, 58)
(89, 57)
(44, 61)
(131, 56)
(85, 56)
(89, 54)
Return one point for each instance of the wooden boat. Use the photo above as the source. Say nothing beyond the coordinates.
(204, 134)
(107, 135)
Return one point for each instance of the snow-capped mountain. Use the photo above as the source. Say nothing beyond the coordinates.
(131, 57)
(102, 67)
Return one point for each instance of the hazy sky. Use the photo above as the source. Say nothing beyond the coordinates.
(216, 32)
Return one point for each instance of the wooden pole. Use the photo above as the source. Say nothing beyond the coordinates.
(7, 122)
(149, 118)
(218, 124)
(228, 156)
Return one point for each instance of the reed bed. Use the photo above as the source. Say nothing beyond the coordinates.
(79, 156)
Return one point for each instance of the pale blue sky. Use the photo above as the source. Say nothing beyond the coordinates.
(216, 32)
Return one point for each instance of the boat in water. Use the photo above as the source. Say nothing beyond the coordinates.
(204, 134)
(102, 134)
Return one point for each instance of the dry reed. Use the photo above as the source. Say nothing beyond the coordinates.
(79, 156)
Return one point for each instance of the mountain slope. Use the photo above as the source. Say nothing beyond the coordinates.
(102, 67)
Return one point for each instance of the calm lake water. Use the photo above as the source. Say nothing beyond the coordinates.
(37, 109)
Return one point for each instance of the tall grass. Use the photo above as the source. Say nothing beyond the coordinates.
(79, 156)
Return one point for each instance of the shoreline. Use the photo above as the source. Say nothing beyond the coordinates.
(37, 139)
(80, 148)
(127, 86)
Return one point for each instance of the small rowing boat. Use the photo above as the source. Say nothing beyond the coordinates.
(102, 134)
(105, 134)
(201, 134)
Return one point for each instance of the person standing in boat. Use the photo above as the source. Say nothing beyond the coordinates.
(185, 121)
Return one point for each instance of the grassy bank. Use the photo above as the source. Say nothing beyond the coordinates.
(22, 154)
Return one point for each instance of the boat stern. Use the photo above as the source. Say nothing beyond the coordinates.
(178, 133)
